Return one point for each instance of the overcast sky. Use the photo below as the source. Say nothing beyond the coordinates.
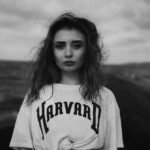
(123, 24)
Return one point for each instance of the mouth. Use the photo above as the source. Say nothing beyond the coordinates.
(69, 63)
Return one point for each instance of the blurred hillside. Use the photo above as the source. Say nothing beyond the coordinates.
(130, 84)
(139, 73)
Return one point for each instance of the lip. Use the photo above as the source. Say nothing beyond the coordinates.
(69, 63)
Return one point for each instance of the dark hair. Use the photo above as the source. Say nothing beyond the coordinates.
(46, 72)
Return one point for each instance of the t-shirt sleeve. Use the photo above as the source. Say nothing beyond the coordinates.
(21, 136)
(113, 138)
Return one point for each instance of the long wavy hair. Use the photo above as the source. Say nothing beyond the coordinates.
(46, 71)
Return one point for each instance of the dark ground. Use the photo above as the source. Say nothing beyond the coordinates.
(130, 84)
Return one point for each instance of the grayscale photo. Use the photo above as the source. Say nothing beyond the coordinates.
(74, 75)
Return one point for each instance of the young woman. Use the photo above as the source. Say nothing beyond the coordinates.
(67, 106)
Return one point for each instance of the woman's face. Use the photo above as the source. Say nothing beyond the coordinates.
(69, 49)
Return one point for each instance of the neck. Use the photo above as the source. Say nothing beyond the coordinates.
(71, 78)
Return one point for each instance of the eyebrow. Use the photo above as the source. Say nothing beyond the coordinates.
(59, 42)
(78, 41)
(74, 41)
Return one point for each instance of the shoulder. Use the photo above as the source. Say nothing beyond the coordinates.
(45, 92)
(109, 104)
(107, 93)
(107, 97)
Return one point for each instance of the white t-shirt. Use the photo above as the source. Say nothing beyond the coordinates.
(66, 121)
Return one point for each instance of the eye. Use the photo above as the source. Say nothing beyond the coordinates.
(59, 45)
(77, 45)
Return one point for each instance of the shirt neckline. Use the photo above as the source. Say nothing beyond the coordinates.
(66, 86)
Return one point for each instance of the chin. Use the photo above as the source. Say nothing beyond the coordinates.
(70, 70)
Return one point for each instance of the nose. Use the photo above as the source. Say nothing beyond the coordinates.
(68, 51)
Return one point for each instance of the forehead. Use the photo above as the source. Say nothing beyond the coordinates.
(68, 35)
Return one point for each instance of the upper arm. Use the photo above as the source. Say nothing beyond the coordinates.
(22, 135)
(113, 138)
(21, 148)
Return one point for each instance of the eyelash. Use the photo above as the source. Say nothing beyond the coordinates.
(75, 46)
(59, 46)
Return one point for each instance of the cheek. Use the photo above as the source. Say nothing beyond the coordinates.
(56, 55)
(56, 59)
(82, 56)
(83, 53)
